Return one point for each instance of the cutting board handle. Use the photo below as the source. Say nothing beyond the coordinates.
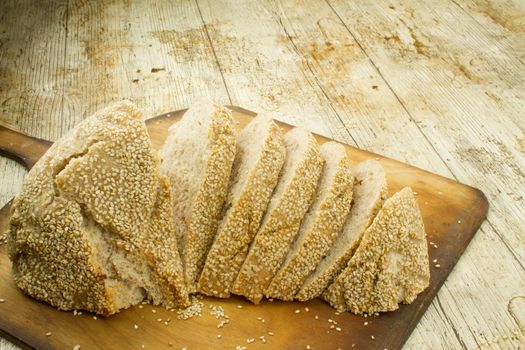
(20, 147)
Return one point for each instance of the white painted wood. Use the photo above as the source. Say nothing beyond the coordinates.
(437, 85)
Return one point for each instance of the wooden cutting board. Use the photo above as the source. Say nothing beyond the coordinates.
(452, 213)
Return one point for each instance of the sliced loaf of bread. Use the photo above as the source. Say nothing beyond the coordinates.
(321, 225)
(292, 197)
(259, 158)
(390, 266)
(369, 193)
(197, 158)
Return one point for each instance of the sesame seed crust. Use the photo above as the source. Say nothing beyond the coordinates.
(369, 193)
(295, 193)
(321, 226)
(199, 180)
(96, 194)
(391, 264)
(259, 158)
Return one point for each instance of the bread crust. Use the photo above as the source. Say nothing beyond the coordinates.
(335, 261)
(282, 222)
(244, 210)
(321, 227)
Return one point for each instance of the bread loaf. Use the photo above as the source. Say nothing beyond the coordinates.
(92, 227)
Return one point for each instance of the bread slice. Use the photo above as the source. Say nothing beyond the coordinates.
(197, 158)
(292, 197)
(390, 265)
(260, 156)
(321, 226)
(92, 227)
(369, 193)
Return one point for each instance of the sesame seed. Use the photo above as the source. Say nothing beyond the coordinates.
(306, 309)
(338, 329)
(48, 334)
(366, 323)
(219, 336)
(330, 320)
(435, 260)
(297, 311)
(166, 323)
(159, 319)
(239, 306)
(308, 347)
(154, 311)
(438, 266)
(332, 326)
(141, 307)
(136, 326)
(271, 333)
(459, 221)
(170, 344)
(76, 347)
(142, 346)
(372, 337)
(250, 340)
(95, 317)
(316, 317)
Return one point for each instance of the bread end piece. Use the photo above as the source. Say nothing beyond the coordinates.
(391, 264)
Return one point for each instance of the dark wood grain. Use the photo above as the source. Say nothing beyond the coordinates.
(452, 213)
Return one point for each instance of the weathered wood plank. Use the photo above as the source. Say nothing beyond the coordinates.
(407, 44)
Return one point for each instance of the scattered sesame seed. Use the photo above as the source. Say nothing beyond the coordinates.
(76, 347)
(271, 299)
(316, 317)
(306, 309)
(366, 323)
(332, 326)
(239, 306)
(219, 336)
(166, 323)
(95, 317)
(159, 319)
(79, 313)
(438, 266)
(142, 346)
(459, 221)
(297, 311)
(240, 347)
(338, 329)
(170, 344)
(330, 320)
(372, 337)
(308, 347)
(141, 307)
(435, 245)
(271, 333)
(435, 260)
(48, 334)
(250, 340)
(136, 326)
(154, 311)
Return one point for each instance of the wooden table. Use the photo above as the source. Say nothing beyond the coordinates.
(440, 85)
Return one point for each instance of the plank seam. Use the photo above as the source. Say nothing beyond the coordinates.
(206, 31)
(315, 79)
